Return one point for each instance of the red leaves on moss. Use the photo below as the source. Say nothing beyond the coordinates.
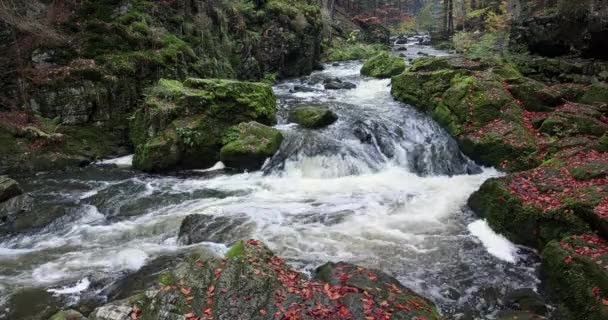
(548, 187)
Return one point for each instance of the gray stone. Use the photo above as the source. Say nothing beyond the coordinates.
(9, 188)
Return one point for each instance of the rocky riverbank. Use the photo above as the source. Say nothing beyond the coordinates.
(549, 133)
(74, 86)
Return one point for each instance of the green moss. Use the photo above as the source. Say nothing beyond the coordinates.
(597, 93)
(251, 147)
(522, 224)
(167, 278)
(160, 153)
(312, 116)
(573, 279)
(384, 65)
(355, 51)
(237, 251)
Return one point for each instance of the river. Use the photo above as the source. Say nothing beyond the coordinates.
(384, 187)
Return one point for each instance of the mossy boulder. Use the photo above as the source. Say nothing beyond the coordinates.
(472, 102)
(575, 270)
(182, 125)
(596, 93)
(9, 188)
(575, 119)
(250, 282)
(384, 65)
(312, 116)
(32, 304)
(536, 96)
(519, 221)
(68, 315)
(249, 144)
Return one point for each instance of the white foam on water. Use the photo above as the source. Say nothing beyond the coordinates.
(218, 166)
(80, 286)
(125, 161)
(496, 244)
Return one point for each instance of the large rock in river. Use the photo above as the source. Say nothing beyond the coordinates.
(252, 283)
(249, 144)
(9, 188)
(312, 116)
(384, 65)
(182, 125)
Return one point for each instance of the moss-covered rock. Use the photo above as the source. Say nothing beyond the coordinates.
(181, 125)
(472, 102)
(575, 119)
(9, 188)
(251, 282)
(356, 51)
(384, 65)
(521, 222)
(68, 315)
(575, 270)
(312, 116)
(249, 144)
(597, 93)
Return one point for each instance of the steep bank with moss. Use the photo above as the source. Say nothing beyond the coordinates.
(549, 133)
(90, 69)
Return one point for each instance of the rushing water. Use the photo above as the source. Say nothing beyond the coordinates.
(384, 187)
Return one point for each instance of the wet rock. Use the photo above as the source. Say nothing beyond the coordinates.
(137, 283)
(249, 144)
(23, 213)
(536, 96)
(31, 304)
(401, 49)
(9, 188)
(312, 116)
(182, 125)
(335, 85)
(250, 282)
(383, 65)
(519, 315)
(401, 41)
(526, 299)
(198, 228)
(116, 311)
(336, 64)
(68, 315)
(299, 88)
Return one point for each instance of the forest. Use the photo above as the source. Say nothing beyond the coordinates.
(303, 159)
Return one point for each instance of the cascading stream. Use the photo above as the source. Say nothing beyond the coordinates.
(384, 187)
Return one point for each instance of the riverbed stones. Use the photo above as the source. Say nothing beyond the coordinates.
(182, 124)
(250, 282)
(249, 144)
(24, 214)
(313, 116)
(199, 228)
(384, 65)
(31, 304)
(9, 188)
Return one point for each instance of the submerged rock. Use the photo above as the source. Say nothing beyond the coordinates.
(249, 144)
(250, 282)
(312, 116)
(9, 188)
(181, 125)
(383, 65)
(31, 304)
(338, 84)
(24, 213)
(198, 228)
